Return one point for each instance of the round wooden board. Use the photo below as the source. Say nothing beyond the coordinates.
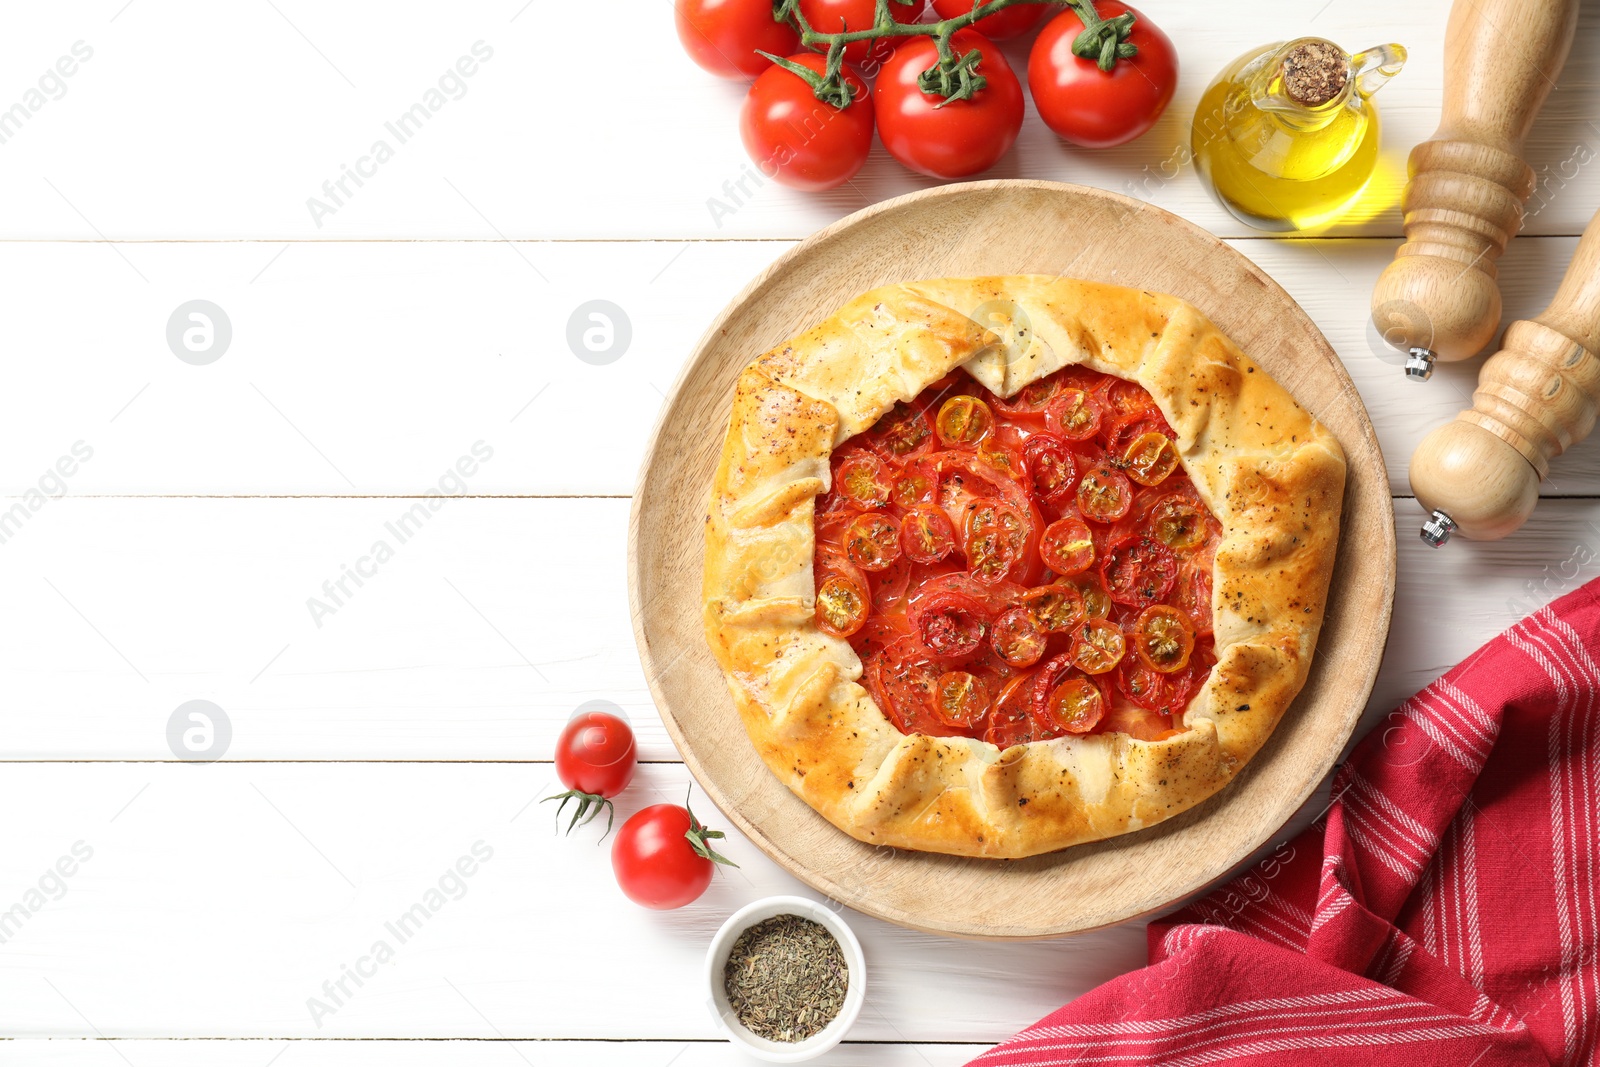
(986, 228)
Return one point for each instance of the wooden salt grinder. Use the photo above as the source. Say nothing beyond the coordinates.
(1536, 398)
(1439, 298)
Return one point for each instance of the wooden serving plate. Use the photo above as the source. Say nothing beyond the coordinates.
(984, 228)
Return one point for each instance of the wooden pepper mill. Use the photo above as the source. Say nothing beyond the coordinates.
(1439, 298)
(1536, 398)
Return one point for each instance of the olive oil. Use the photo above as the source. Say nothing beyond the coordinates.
(1287, 135)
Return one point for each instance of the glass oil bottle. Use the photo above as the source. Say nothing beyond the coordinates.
(1287, 135)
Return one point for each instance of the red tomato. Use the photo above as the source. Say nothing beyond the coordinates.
(1192, 596)
(900, 434)
(861, 478)
(1052, 470)
(1178, 522)
(1002, 25)
(999, 536)
(1164, 638)
(663, 857)
(926, 536)
(1067, 546)
(594, 760)
(1138, 571)
(872, 541)
(963, 421)
(1017, 638)
(903, 681)
(1075, 706)
(1091, 107)
(1011, 720)
(1073, 414)
(843, 596)
(1097, 646)
(832, 16)
(1104, 495)
(723, 35)
(951, 625)
(1055, 608)
(1150, 458)
(960, 699)
(917, 484)
(803, 142)
(953, 139)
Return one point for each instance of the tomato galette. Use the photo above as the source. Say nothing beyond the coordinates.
(1000, 565)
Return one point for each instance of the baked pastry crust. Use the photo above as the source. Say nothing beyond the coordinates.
(1271, 474)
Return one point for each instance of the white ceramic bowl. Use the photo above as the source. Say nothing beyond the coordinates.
(717, 959)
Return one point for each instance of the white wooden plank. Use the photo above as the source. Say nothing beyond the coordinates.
(370, 368)
(198, 120)
(218, 899)
(80, 1052)
(206, 599)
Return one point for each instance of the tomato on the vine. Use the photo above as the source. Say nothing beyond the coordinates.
(663, 857)
(833, 16)
(723, 36)
(1087, 104)
(799, 140)
(1002, 25)
(595, 761)
(947, 138)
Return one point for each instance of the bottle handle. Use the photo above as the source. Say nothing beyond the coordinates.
(1374, 67)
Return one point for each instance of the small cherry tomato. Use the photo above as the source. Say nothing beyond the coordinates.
(799, 140)
(926, 536)
(1017, 638)
(917, 484)
(1073, 414)
(1138, 571)
(901, 433)
(903, 681)
(1011, 720)
(1002, 25)
(1177, 522)
(1032, 398)
(1096, 601)
(1097, 646)
(960, 699)
(1163, 638)
(1056, 608)
(595, 761)
(997, 541)
(663, 857)
(951, 626)
(1151, 458)
(1067, 546)
(841, 606)
(1096, 108)
(947, 138)
(963, 421)
(832, 16)
(723, 36)
(1052, 470)
(862, 479)
(872, 542)
(1192, 596)
(1141, 684)
(1075, 706)
(1104, 495)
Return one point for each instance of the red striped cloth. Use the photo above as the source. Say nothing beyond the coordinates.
(1446, 910)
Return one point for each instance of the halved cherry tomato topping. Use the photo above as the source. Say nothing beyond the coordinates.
(1003, 458)
(1142, 684)
(963, 421)
(950, 625)
(1104, 495)
(872, 542)
(1034, 397)
(1097, 646)
(1123, 398)
(960, 699)
(1017, 638)
(1075, 706)
(841, 606)
(1052, 471)
(1011, 721)
(903, 679)
(1074, 414)
(1138, 571)
(1151, 458)
(1067, 546)
(1122, 432)
(1163, 638)
(997, 541)
(1096, 601)
(863, 479)
(926, 536)
(1055, 608)
(1177, 522)
(901, 433)
(1192, 596)
(917, 484)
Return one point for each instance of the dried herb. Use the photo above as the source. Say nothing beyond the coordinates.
(786, 978)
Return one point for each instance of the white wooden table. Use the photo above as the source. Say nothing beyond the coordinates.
(379, 738)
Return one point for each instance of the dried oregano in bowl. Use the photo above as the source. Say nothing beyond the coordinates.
(786, 978)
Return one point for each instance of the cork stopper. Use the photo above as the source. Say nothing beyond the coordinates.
(1315, 72)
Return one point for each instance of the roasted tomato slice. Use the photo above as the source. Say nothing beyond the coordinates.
(1104, 495)
(1096, 601)
(1150, 458)
(1177, 521)
(889, 587)
(997, 541)
(1051, 467)
(1097, 646)
(1056, 608)
(1067, 546)
(952, 626)
(1140, 684)
(872, 541)
(1138, 571)
(1033, 398)
(1075, 706)
(861, 478)
(1011, 718)
(926, 536)
(1017, 638)
(902, 433)
(903, 680)
(1123, 400)
(960, 699)
(1192, 596)
(917, 484)
(1164, 638)
(963, 421)
(1073, 414)
(843, 596)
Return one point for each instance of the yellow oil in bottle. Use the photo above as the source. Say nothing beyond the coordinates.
(1287, 136)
